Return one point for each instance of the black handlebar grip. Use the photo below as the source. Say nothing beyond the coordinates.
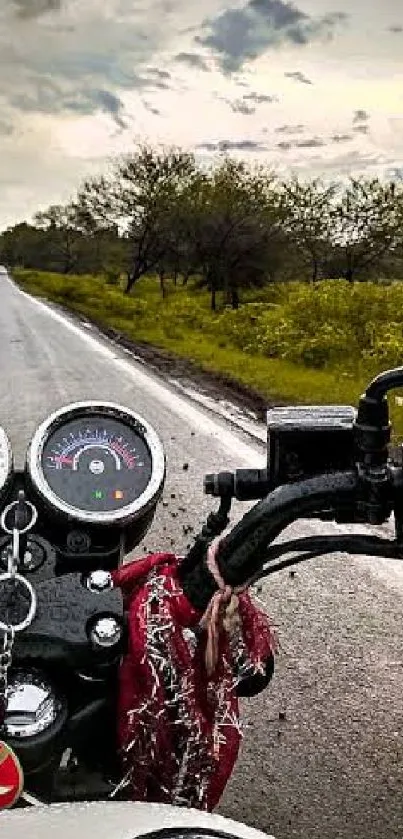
(242, 552)
(244, 484)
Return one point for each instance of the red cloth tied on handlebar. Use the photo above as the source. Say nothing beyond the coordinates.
(178, 719)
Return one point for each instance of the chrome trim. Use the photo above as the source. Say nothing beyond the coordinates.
(32, 704)
(87, 678)
(99, 581)
(106, 632)
(29, 526)
(93, 408)
(32, 800)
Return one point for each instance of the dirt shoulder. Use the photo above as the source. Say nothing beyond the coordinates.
(218, 387)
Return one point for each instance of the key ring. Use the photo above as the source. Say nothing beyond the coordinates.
(34, 516)
(19, 627)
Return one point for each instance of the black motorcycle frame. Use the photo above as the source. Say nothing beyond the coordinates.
(365, 490)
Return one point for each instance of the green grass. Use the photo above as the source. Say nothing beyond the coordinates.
(289, 343)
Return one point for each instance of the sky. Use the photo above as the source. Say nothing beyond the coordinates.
(313, 87)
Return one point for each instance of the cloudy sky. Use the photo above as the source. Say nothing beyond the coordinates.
(314, 86)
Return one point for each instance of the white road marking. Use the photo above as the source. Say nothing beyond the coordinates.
(234, 445)
(387, 570)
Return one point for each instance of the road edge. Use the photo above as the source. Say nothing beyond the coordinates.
(249, 426)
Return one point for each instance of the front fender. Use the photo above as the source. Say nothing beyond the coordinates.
(120, 820)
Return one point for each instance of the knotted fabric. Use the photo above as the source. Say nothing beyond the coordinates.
(178, 713)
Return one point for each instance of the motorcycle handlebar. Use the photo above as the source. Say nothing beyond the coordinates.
(241, 552)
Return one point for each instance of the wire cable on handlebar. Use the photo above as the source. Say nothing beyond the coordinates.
(310, 547)
(242, 551)
(215, 525)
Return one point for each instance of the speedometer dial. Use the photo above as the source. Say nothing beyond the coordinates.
(97, 462)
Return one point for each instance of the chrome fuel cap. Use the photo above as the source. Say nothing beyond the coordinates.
(32, 704)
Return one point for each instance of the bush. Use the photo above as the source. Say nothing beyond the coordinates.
(333, 325)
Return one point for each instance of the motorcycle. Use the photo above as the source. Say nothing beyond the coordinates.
(89, 639)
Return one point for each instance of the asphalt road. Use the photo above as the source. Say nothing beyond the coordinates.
(323, 747)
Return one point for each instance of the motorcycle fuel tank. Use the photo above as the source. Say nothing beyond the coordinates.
(121, 820)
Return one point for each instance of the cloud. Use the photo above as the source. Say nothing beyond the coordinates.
(192, 59)
(110, 104)
(360, 116)
(81, 60)
(161, 74)
(76, 72)
(37, 174)
(344, 164)
(240, 35)
(341, 138)
(158, 84)
(282, 14)
(247, 104)
(50, 98)
(298, 77)
(241, 107)
(35, 8)
(260, 98)
(151, 108)
(310, 143)
(289, 129)
(231, 145)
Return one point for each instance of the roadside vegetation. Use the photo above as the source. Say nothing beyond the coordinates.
(289, 343)
(291, 288)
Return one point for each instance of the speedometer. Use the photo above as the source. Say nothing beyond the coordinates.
(97, 463)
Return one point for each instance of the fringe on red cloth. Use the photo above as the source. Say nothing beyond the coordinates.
(178, 723)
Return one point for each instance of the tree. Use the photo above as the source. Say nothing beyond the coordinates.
(367, 222)
(59, 223)
(233, 219)
(138, 196)
(25, 246)
(232, 225)
(306, 219)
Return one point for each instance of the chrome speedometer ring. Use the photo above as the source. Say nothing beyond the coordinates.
(99, 454)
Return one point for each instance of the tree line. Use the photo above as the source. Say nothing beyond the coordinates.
(229, 225)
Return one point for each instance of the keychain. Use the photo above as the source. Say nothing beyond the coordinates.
(11, 774)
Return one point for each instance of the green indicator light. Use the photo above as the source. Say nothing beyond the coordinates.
(98, 494)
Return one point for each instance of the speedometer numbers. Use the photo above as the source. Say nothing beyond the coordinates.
(96, 465)
(98, 452)
(97, 462)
